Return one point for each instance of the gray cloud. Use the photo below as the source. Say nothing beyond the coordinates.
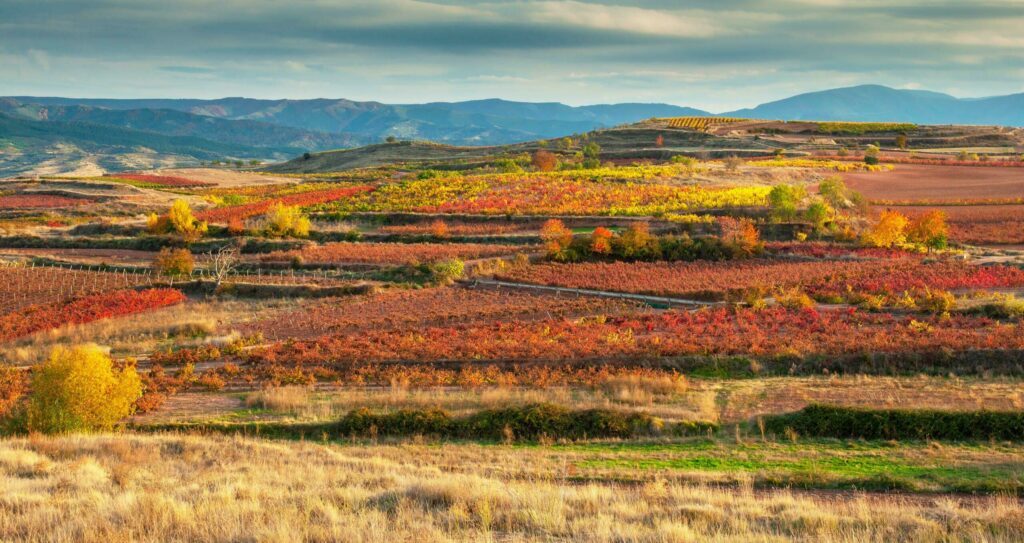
(708, 53)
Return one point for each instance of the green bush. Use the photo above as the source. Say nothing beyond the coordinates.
(860, 423)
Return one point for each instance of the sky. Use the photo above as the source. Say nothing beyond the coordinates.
(716, 55)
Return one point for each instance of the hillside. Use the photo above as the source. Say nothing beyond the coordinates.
(170, 122)
(879, 103)
(28, 146)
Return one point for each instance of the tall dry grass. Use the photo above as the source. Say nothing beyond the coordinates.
(188, 488)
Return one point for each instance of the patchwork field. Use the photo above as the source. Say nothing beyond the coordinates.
(554, 342)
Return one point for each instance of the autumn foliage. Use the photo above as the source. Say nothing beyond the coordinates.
(85, 309)
(544, 161)
(79, 389)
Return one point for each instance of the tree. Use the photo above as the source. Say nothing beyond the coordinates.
(79, 389)
(833, 191)
(556, 237)
(637, 242)
(591, 155)
(601, 241)
(889, 230)
(544, 161)
(901, 141)
(929, 230)
(174, 262)
(223, 262)
(182, 221)
(741, 233)
(390, 139)
(818, 213)
(783, 200)
(287, 221)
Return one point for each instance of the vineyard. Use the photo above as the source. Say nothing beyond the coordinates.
(39, 201)
(390, 253)
(569, 194)
(769, 332)
(158, 181)
(979, 225)
(858, 128)
(23, 286)
(716, 280)
(35, 318)
(411, 310)
(701, 123)
(302, 199)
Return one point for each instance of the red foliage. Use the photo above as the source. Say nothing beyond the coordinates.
(391, 253)
(20, 201)
(85, 309)
(302, 199)
(721, 331)
(714, 280)
(416, 309)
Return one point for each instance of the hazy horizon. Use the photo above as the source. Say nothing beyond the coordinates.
(703, 55)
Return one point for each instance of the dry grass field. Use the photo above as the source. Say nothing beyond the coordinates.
(187, 488)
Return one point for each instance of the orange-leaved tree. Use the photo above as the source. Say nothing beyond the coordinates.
(929, 230)
(544, 161)
(556, 237)
(601, 241)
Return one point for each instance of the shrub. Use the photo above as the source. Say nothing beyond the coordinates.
(794, 299)
(544, 161)
(859, 423)
(13, 385)
(286, 221)
(174, 262)
(79, 389)
(935, 301)
(447, 271)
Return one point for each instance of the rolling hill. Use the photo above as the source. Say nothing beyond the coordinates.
(879, 103)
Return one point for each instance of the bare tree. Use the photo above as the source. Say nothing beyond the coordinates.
(223, 262)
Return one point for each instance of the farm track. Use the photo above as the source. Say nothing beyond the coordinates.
(652, 300)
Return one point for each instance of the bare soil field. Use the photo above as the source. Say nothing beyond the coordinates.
(223, 178)
(915, 182)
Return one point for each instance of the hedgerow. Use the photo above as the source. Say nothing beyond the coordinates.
(860, 423)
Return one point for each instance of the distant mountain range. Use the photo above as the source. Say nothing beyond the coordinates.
(242, 128)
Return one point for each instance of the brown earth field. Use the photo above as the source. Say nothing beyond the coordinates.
(917, 182)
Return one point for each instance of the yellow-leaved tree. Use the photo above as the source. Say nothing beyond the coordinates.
(287, 221)
(891, 229)
(79, 389)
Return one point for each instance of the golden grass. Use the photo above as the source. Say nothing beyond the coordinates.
(186, 488)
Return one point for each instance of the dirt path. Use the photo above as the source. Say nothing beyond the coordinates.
(653, 300)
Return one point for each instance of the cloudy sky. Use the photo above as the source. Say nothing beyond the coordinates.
(712, 54)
